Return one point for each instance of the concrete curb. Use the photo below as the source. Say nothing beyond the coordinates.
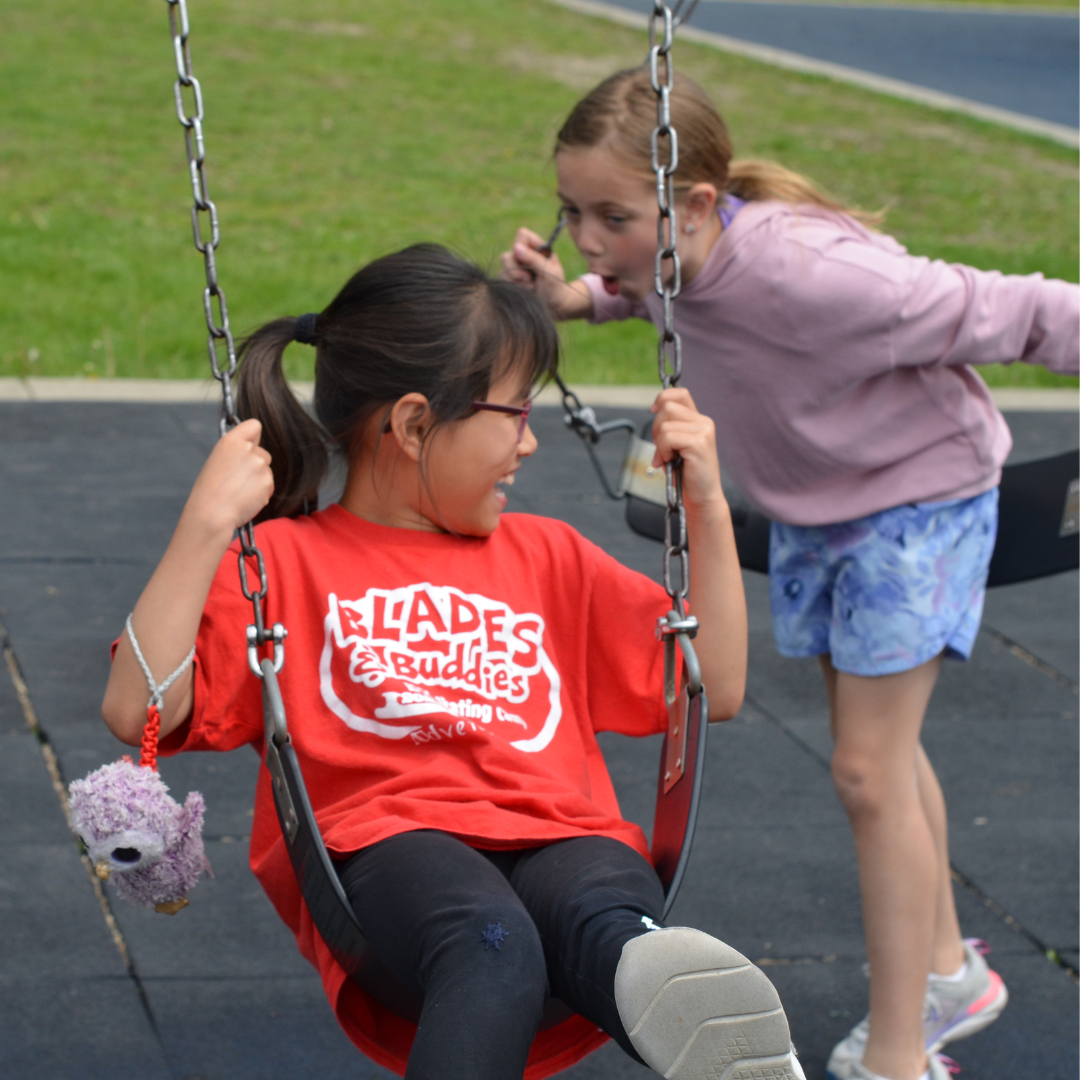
(881, 84)
(176, 391)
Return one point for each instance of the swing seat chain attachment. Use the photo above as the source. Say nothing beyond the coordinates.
(277, 635)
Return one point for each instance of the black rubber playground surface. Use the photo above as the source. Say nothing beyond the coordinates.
(89, 494)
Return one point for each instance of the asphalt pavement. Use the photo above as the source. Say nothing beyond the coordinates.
(89, 494)
(1021, 60)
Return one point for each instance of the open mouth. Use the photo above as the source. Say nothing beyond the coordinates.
(611, 285)
(504, 481)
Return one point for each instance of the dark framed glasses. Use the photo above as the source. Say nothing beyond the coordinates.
(521, 411)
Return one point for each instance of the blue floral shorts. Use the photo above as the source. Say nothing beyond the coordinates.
(884, 593)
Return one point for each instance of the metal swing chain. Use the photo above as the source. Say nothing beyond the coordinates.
(669, 347)
(581, 419)
(257, 634)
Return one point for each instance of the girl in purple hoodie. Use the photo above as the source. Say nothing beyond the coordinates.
(838, 370)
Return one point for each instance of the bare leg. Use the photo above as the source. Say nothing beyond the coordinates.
(948, 952)
(876, 768)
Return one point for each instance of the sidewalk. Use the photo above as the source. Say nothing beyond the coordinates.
(179, 391)
(89, 494)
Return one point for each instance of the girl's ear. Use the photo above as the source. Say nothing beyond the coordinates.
(700, 203)
(409, 421)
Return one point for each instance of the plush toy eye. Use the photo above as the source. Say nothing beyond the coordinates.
(126, 855)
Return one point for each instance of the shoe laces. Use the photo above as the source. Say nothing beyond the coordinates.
(979, 945)
(950, 1066)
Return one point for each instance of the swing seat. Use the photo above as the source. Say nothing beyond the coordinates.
(682, 766)
(1038, 522)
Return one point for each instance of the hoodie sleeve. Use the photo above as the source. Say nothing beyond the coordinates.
(956, 314)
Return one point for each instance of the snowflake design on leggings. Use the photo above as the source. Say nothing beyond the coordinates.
(494, 934)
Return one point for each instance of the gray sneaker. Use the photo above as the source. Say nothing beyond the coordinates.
(952, 1011)
(694, 1007)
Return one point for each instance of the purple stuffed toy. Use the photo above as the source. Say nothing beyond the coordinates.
(138, 836)
(134, 832)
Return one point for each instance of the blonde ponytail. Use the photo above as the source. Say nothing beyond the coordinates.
(756, 180)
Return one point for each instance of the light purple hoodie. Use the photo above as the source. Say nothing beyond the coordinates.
(835, 364)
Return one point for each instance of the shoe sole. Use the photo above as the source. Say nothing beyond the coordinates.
(986, 1010)
(695, 1009)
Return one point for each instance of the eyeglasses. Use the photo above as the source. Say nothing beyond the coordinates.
(521, 411)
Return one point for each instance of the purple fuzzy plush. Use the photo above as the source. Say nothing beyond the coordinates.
(138, 835)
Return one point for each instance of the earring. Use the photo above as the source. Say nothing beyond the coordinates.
(690, 228)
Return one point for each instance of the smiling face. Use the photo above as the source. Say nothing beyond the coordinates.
(468, 462)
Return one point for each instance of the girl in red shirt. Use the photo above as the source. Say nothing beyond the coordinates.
(448, 669)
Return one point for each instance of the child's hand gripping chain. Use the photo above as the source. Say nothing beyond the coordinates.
(533, 264)
(716, 591)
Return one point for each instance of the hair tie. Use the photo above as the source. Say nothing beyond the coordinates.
(304, 331)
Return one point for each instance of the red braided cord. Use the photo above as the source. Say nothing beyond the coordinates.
(148, 757)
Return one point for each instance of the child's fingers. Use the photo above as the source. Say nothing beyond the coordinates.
(512, 270)
(529, 259)
(236, 482)
(525, 255)
(694, 437)
(246, 431)
(676, 404)
(680, 430)
(528, 238)
(673, 395)
(694, 444)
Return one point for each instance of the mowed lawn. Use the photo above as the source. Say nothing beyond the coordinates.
(339, 131)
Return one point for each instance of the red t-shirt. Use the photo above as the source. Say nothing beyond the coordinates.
(434, 682)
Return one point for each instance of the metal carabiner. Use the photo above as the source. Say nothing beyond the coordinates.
(277, 635)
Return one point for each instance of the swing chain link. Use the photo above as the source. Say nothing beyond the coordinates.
(669, 349)
(217, 327)
(582, 420)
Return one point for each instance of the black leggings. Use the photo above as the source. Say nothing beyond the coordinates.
(489, 935)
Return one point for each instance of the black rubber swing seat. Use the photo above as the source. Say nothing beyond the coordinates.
(1038, 522)
(673, 830)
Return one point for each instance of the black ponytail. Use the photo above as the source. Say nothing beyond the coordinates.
(293, 439)
(419, 321)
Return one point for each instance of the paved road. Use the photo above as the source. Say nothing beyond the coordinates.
(1023, 62)
(89, 494)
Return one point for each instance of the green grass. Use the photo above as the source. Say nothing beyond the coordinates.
(330, 143)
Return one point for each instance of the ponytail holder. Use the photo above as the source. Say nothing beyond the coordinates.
(305, 329)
